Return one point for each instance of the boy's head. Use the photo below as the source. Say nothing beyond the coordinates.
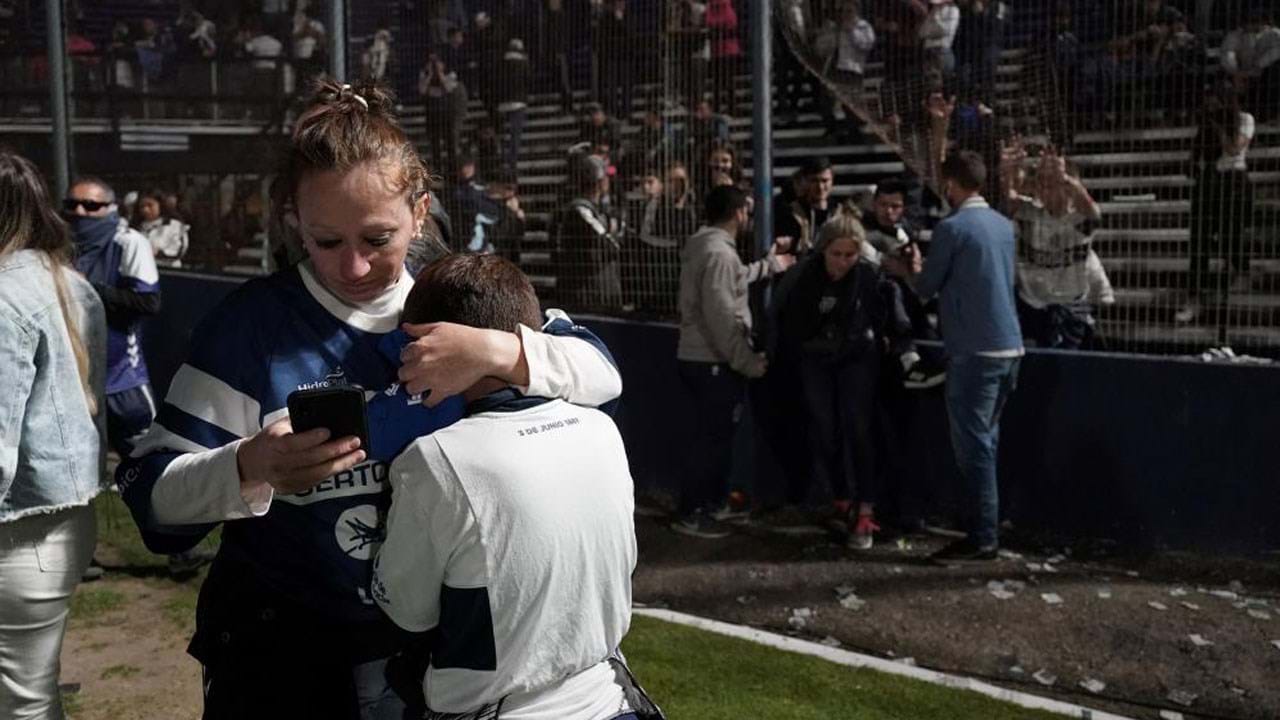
(482, 291)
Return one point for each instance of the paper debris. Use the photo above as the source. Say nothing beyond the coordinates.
(909, 661)
(1199, 640)
(799, 618)
(895, 570)
(1276, 644)
(1224, 594)
(1017, 670)
(1104, 594)
(1093, 686)
(1009, 555)
(1259, 615)
(745, 599)
(1190, 605)
(1157, 605)
(829, 641)
(1170, 715)
(1056, 559)
(1236, 586)
(1182, 697)
(1131, 573)
(1035, 567)
(1044, 677)
(1002, 594)
(1051, 598)
(1177, 592)
(852, 602)
(845, 589)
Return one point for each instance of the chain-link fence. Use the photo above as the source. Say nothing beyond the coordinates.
(1135, 142)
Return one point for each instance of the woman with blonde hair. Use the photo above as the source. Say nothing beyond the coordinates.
(286, 624)
(52, 362)
(839, 315)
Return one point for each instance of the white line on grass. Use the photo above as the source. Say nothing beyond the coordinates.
(858, 660)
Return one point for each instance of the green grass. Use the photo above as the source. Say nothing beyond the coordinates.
(117, 530)
(90, 603)
(696, 674)
(120, 671)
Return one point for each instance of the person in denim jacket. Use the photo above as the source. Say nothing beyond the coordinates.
(52, 366)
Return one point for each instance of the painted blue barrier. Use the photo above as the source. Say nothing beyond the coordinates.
(1144, 450)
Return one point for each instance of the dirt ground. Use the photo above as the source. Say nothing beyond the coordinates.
(129, 661)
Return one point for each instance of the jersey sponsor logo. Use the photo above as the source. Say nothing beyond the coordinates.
(358, 531)
(364, 479)
(336, 378)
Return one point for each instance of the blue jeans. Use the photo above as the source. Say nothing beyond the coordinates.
(977, 389)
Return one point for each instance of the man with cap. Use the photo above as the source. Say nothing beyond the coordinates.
(586, 241)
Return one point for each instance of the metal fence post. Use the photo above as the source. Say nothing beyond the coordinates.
(57, 42)
(338, 40)
(761, 121)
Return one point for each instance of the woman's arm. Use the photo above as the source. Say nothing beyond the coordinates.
(561, 362)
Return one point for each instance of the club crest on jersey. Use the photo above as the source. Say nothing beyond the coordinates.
(336, 378)
(358, 533)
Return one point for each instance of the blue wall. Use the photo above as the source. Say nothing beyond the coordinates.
(1144, 450)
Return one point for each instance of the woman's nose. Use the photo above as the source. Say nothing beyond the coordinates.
(354, 265)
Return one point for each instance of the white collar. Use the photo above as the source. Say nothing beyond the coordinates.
(379, 315)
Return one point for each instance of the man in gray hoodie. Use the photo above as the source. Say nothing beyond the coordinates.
(715, 354)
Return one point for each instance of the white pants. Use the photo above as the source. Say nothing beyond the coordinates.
(41, 560)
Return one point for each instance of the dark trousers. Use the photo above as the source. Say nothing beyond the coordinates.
(840, 400)
(1221, 204)
(512, 131)
(977, 390)
(717, 395)
(613, 86)
(129, 416)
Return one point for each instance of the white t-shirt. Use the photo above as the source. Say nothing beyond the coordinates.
(1237, 161)
(1056, 261)
(304, 46)
(266, 49)
(512, 531)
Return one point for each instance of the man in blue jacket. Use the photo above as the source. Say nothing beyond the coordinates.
(971, 269)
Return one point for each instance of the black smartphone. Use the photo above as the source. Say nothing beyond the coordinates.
(341, 410)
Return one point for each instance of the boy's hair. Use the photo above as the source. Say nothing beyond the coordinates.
(482, 291)
(966, 168)
(722, 202)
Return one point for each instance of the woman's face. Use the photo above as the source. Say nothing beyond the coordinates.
(356, 226)
(677, 181)
(720, 161)
(840, 256)
(149, 209)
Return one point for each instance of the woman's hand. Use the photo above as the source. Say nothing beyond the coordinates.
(447, 359)
(294, 462)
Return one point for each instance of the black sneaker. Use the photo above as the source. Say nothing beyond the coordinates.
(965, 550)
(700, 526)
(924, 374)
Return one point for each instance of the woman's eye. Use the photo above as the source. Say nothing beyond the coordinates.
(327, 244)
(378, 241)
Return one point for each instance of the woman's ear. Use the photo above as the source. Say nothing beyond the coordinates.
(421, 207)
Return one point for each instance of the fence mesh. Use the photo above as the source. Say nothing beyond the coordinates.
(1161, 113)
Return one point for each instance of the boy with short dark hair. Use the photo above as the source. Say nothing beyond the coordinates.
(510, 532)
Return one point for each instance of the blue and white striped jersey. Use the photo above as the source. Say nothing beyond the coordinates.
(271, 337)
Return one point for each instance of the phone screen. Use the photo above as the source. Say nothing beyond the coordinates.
(341, 410)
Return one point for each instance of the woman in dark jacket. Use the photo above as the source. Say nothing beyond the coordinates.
(837, 315)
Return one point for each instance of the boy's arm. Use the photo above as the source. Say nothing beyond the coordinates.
(428, 520)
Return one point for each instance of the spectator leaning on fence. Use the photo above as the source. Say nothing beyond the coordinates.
(971, 268)
(1060, 278)
(715, 353)
(800, 217)
(510, 533)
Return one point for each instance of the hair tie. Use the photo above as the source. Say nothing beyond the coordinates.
(346, 90)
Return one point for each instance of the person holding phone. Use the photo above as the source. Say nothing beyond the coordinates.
(285, 625)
